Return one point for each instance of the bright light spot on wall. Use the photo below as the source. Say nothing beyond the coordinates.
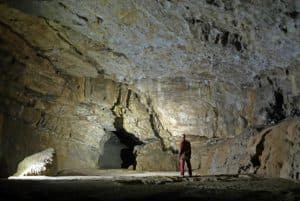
(36, 164)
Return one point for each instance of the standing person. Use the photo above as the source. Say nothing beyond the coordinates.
(185, 156)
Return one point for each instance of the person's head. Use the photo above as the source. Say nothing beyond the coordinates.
(183, 136)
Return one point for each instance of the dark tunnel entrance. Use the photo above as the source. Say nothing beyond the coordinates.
(118, 151)
(128, 155)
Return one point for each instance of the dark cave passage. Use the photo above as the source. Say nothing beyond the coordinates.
(275, 112)
(118, 151)
(128, 156)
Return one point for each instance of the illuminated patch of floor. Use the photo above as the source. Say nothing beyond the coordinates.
(104, 176)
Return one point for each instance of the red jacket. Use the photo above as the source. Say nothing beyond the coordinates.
(185, 149)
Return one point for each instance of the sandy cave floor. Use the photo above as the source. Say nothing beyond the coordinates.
(130, 185)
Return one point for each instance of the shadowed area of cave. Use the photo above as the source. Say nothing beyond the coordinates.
(118, 150)
(96, 95)
(127, 154)
(276, 112)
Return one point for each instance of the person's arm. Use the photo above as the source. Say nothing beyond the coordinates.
(180, 149)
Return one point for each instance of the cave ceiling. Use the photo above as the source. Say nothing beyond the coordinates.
(132, 40)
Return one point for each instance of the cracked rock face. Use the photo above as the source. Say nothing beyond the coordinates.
(77, 74)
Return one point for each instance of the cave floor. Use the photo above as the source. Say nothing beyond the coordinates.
(149, 186)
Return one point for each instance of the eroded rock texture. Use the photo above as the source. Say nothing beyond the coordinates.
(42, 163)
(114, 84)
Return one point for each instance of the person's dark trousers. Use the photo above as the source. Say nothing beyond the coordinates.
(189, 166)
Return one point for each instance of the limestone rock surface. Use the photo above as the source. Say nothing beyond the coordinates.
(74, 74)
(275, 151)
(41, 163)
(271, 152)
(151, 157)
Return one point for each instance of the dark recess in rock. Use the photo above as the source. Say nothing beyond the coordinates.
(204, 29)
(225, 38)
(82, 17)
(292, 14)
(236, 42)
(41, 123)
(276, 113)
(217, 39)
(127, 154)
(258, 152)
(62, 5)
(238, 45)
(270, 81)
(213, 2)
(283, 28)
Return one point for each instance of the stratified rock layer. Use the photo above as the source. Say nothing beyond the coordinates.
(272, 152)
(95, 78)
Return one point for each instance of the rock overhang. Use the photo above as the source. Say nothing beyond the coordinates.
(159, 39)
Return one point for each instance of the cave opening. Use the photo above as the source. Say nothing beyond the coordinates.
(255, 159)
(127, 154)
(276, 113)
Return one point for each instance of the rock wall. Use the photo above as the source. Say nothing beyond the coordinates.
(277, 151)
(101, 81)
(272, 151)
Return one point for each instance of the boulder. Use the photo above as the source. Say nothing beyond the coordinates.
(275, 151)
(151, 157)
